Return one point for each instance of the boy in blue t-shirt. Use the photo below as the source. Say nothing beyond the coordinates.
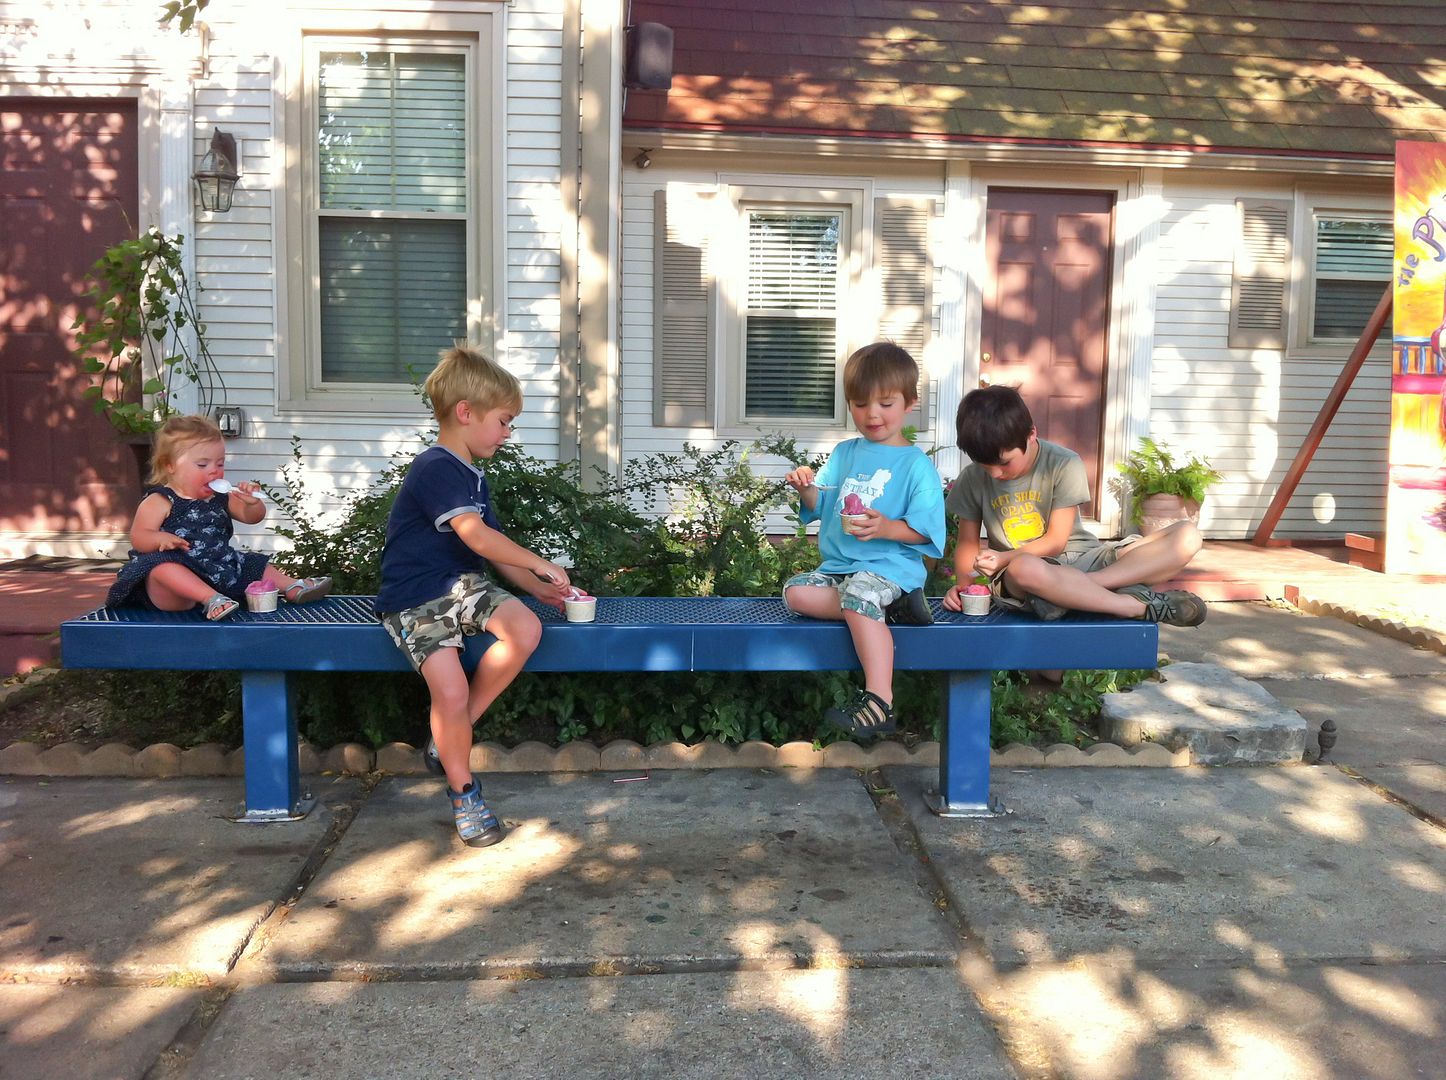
(442, 540)
(881, 510)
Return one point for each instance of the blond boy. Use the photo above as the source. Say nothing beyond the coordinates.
(443, 546)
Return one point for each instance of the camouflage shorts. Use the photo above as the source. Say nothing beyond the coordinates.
(866, 593)
(442, 623)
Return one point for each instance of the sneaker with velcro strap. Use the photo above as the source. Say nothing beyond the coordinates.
(432, 759)
(1175, 607)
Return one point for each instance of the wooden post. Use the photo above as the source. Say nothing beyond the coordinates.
(1323, 419)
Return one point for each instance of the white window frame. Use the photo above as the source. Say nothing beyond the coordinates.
(1310, 207)
(732, 280)
(481, 35)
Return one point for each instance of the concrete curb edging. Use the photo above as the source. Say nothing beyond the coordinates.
(163, 760)
(1421, 636)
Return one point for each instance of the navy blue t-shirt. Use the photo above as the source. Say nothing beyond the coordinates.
(422, 557)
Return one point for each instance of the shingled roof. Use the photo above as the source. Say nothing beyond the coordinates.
(1330, 77)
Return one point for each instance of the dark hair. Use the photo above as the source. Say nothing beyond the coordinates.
(881, 368)
(993, 420)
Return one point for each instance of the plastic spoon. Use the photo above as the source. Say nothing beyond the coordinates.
(225, 487)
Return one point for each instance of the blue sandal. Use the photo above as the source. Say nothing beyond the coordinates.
(477, 825)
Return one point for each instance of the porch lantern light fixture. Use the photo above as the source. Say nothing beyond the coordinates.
(217, 173)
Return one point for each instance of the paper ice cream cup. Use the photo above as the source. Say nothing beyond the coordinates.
(584, 610)
(260, 599)
(851, 522)
(975, 604)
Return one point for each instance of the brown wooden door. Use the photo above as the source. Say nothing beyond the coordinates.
(68, 190)
(1045, 324)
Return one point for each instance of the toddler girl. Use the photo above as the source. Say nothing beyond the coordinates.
(181, 553)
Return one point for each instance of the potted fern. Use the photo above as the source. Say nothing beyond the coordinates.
(1163, 486)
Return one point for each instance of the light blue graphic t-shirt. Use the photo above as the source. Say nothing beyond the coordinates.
(899, 482)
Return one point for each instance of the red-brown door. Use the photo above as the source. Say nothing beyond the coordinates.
(68, 190)
(1045, 324)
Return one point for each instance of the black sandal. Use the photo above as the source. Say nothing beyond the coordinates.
(911, 609)
(867, 715)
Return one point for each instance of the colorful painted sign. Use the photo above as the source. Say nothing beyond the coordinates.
(1416, 497)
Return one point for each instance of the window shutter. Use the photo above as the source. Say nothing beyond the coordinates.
(906, 283)
(682, 310)
(1260, 286)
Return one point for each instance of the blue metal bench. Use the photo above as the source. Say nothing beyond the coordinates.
(630, 634)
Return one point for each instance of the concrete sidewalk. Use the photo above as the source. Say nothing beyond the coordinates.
(1192, 923)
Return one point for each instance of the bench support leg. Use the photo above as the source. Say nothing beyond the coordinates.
(273, 774)
(964, 750)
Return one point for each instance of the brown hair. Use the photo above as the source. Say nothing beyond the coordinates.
(464, 374)
(881, 368)
(174, 438)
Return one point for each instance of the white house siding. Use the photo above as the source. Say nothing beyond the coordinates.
(639, 435)
(236, 255)
(1249, 410)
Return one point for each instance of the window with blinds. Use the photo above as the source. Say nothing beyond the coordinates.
(391, 210)
(1351, 269)
(791, 316)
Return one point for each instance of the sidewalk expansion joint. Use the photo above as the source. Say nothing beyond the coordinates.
(343, 813)
(608, 968)
(974, 967)
(1386, 793)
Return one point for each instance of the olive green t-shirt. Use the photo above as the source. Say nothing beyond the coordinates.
(1014, 512)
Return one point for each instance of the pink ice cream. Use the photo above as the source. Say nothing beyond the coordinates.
(259, 588)
(852, 504)
(977, 590)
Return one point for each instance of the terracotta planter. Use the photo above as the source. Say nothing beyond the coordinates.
(1158, 511)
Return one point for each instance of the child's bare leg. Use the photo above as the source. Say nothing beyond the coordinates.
(1153, 559)
(451, 724)
(171, 587)
(875, 646)
(277, 577)
(1068, 587)
(517, 631)
(815, 601)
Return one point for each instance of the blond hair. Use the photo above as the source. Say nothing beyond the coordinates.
(464, 374)
(174, 438)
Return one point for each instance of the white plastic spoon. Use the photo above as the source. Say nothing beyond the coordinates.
(225, 487)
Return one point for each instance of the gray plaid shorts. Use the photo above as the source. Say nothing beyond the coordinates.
(866, 593)
(442, 623)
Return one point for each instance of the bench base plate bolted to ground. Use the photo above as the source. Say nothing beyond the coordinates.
(638, 633)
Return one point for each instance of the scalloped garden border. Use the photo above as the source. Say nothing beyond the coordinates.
(164, 760)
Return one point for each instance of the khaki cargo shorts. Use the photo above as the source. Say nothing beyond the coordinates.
(866, 593)
(1087, 562)
(443, 623)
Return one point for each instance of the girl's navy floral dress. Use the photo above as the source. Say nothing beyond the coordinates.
(206, 526)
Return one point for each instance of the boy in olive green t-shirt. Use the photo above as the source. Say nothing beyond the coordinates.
(1026, 493)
